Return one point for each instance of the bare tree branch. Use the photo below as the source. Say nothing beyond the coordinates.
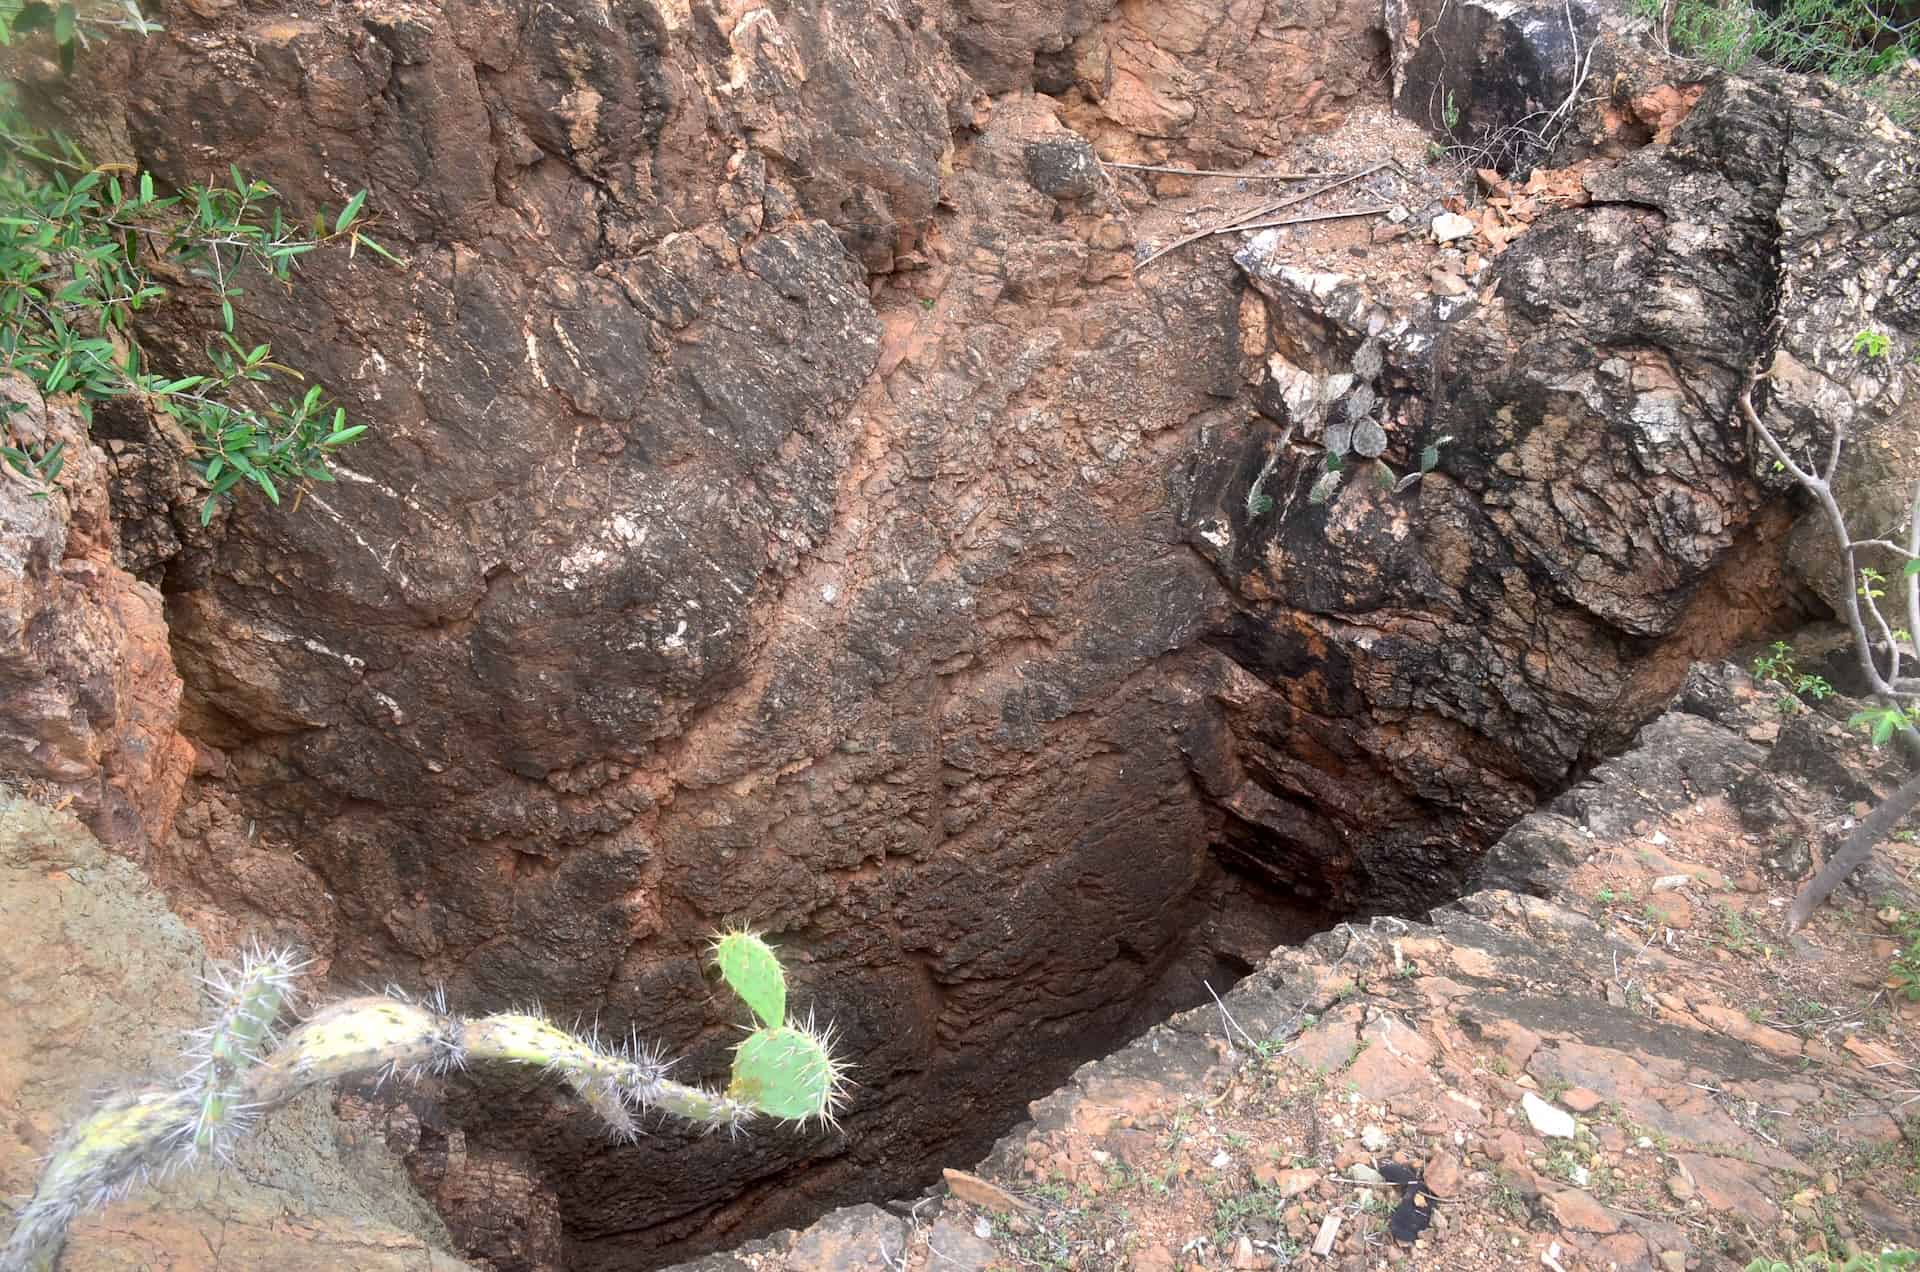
(1875, 827)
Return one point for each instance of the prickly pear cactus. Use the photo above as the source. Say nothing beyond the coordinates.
(754, 974)
(782, 1069)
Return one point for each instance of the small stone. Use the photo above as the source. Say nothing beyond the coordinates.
(1673, 909)
(1445, 284)
(1221, 1160)
(1153, 1258)
(1442, 1173)
(1374, 1139)
(1449, 226)
(1681, 1187)
(1673, 1261)
(1397, 213)
(1365, 1174)
(1580, 1099)
(978, 1192)
(1288, 1183)
(1575, 1209)
(1544, 1118)
(1243, 1255)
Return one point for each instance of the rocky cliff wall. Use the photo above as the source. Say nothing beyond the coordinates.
(787, 504)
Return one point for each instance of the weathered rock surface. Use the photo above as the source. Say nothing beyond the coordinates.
(99, 984)
(780, 510)
(89, 699)
(1569, 1078)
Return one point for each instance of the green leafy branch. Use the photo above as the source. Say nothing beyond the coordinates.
(69, 25)
(81, 249)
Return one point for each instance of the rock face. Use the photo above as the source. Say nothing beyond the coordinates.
(89, 699)
(106, 1012)
(1597, 1067)
(785, 506)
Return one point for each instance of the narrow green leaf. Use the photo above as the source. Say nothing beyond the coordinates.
(342, 436)
(266, 483)
(63, 23)
(361, 240)
(1911, 568)
(226, 315)
(348, 213)
(146, 187)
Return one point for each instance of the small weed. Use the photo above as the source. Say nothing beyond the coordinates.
(1884, 1261)
(1903, 977)
(1450, 112)
(1776, 666)
(1233, 1211)
(1738, 935)
(1871, 344)
(1507, 1200)
(1606, 896)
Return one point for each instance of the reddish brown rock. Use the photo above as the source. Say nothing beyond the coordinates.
(1732, 1187)
(89, 700)
(768, 521)
(1576, 1209)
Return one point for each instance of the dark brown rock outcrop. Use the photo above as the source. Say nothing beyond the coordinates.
(779, 510)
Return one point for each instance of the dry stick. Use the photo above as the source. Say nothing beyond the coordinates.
(1860, 844)
(1213, 172)
(1268, 210)
(1375, 210)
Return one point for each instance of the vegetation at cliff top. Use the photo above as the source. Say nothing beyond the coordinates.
(83, 249)
(1852, 41)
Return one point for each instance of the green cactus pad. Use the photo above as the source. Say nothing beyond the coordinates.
(250, 1004)
(751, 971)
(786, 1072)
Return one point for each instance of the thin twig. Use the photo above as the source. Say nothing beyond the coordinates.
(1377, 210)
(1213, 172)
(1232, 1026)
(1240, 222)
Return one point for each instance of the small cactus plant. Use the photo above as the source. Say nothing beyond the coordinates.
(242, 1069)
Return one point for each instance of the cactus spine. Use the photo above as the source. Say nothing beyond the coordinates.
(782, 1069)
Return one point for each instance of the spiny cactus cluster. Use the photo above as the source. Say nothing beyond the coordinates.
(242, 1069)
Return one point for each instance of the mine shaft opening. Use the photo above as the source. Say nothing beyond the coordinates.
(558, 1185)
